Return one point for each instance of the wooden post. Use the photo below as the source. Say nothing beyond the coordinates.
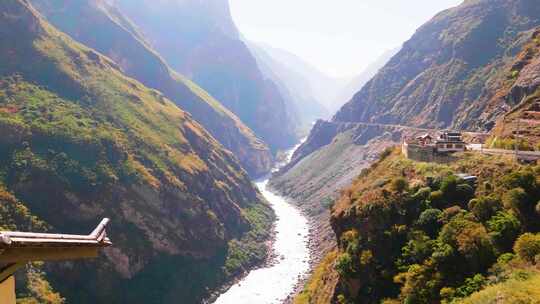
(7, 291)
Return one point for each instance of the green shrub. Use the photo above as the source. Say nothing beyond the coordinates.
(524, 179)
(527, 247)
(471, 286)
(515, 199)
(344, 265)
(484, 207)
(464, 192)
(504, 228)
(436, 198)
(447, 294)
(471, 240)
(422, 194)
(399, 184)
(430, 221)
(342, 299)
(449, 185)
(514, 74)
(366, 257)
(505, 258)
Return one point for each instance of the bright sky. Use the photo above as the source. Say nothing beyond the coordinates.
(340, 37)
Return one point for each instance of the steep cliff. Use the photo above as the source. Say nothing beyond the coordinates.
(105, 29)
(443, 75)
(80, 141)
(347, 93)
(200, 40)
(521, 125)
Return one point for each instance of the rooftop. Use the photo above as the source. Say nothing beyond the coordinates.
(28, 246)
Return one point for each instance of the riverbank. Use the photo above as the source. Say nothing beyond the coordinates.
(317, 251)
(271, 260)
(273, 284)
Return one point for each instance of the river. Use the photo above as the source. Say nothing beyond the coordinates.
(272, 285)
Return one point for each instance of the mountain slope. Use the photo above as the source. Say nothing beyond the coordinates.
(323, 87)
(200, 40)
(81, 141)
(522, 88)
(347, 93)
(462, 69)
(304, 104)
(443, 74)
(102, 27)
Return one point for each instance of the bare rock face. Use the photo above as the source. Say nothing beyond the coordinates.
(199, 40)
(103, 27)
(519, 95)
(440, 76)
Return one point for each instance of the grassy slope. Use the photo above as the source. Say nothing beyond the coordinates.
(516, 290)
(119, 40)
(320, 287)
(202, 42)
(79, 140)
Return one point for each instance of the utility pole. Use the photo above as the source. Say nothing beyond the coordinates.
(518, 132)
(516, 144)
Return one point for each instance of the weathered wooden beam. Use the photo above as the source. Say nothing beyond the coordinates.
(7, 236)
(14, 255)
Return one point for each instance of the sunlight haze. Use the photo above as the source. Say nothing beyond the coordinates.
(339, 37)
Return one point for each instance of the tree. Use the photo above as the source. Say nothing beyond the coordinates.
(524, 179)
(430, 221)
(449, 185)
(399, 184)
(471, 240)
(527, 247)
(515, 199)
(504, 229)
(484, 207)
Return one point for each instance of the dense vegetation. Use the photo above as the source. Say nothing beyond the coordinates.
(413, 232)
(80, 141)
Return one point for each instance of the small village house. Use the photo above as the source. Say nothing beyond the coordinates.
(426, 148)
(450, 142)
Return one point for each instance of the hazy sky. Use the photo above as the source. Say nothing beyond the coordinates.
(340, 37)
